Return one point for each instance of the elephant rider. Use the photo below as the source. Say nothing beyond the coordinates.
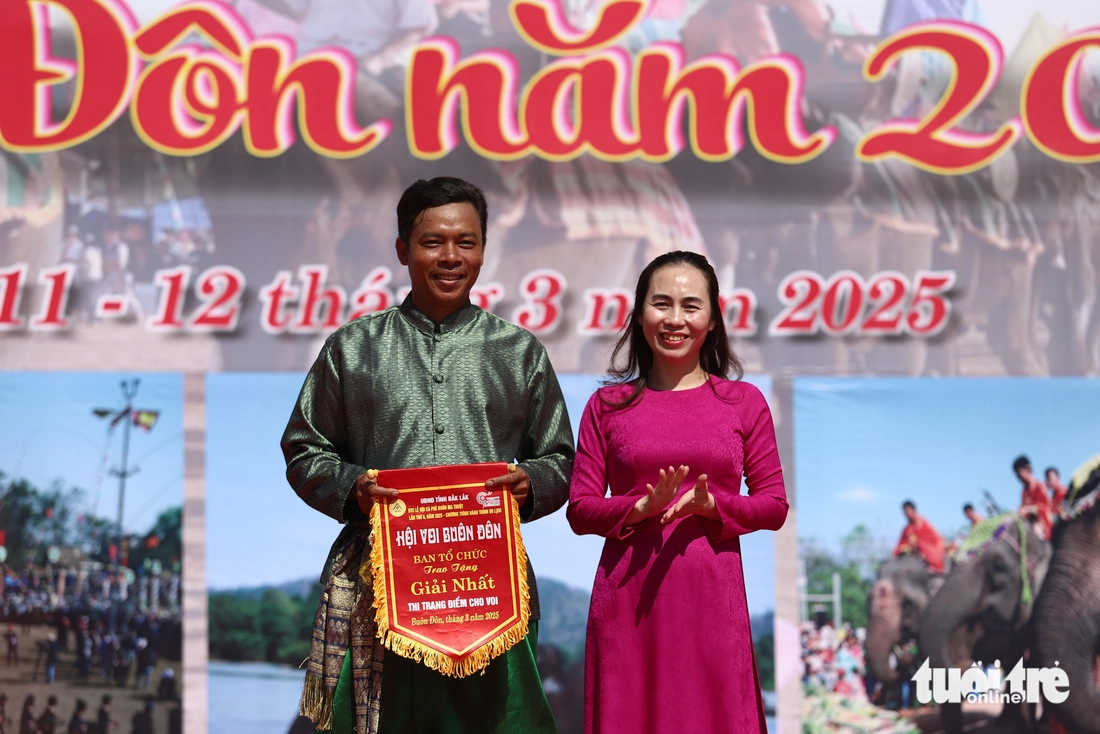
(972, 515)
(1034, 500)
(920, 538)
(1057, 489)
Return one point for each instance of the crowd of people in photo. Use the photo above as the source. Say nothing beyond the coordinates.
(832, 659)
(110, 255)
(50, 719)
(100, 630)
(114, 657)
(97, 589)
(112, 629)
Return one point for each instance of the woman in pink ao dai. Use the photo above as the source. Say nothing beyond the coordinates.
(669, 648)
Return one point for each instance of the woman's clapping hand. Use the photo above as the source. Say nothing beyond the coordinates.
(657, 498)
(699, 501)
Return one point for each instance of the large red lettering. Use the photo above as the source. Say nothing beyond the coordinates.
(188, 102)
(486, 83)
(771, 89)
(578, 105)
(323, 84)
(665, 87)
(102, 80)
(1052, 110)
(605, 105)
(542, 291)
(11, 293)
(373, 293)
(190, 99)
(318, 301)
(605, 311)
(547, 107)
(933, 143)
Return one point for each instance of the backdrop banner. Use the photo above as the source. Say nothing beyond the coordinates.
(892, 190)
(886, 189)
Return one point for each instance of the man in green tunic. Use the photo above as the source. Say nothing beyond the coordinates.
(433, 381)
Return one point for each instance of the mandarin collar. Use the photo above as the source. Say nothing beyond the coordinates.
(420, 320)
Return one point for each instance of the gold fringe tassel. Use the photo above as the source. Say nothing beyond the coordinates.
(478, 659)
(316, 702)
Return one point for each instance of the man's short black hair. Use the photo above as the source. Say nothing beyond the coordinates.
(1050, 469)
(439, 191)
(908, 503)
(1021, 462)
(51, 701)
(967, 507)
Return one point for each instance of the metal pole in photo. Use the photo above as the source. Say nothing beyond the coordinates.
(803, 597)
(129, 390)
(836, 601)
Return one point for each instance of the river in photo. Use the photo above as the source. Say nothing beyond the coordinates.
(253, 698)
(770, 700)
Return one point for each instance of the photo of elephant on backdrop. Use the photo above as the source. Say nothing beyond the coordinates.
(904, 587)
(1067, 614)
(983, 611)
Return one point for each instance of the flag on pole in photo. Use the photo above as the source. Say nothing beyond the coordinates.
(146, 419)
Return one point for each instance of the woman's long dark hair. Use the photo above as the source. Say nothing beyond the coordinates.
(632, 359)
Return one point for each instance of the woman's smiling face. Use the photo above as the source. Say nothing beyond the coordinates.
(676, 317)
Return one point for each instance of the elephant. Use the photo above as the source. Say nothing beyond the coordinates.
(904, 587)
(983, 611)
(1067, 614)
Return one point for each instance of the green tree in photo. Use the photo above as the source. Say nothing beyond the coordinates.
(763, 641)
(264, 624)
(163, 542)
(234, 628)
(34, 519)
(18, 508)
(276, 617)
(857, 563)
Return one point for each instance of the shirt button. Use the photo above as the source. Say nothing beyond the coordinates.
(437, 337)
(438, 379)
(439, 428)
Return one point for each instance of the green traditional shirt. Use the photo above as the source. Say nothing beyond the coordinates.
(393, 390)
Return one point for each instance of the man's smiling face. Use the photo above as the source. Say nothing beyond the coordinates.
(444, 255)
